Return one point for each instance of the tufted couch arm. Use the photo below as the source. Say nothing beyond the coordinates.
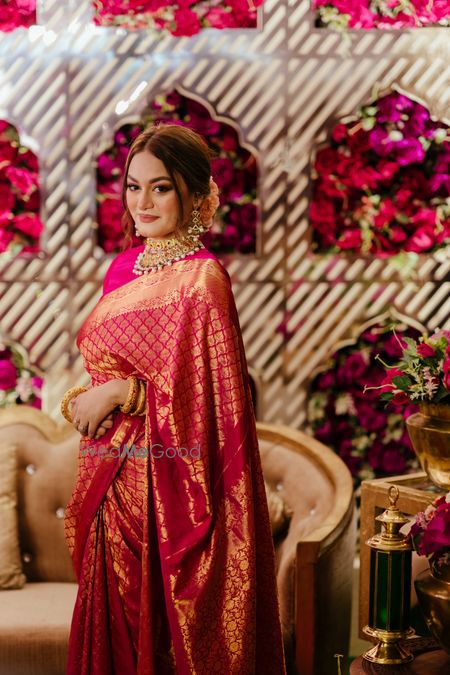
(315, 557)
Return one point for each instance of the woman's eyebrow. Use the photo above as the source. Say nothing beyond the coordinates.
(153, 180)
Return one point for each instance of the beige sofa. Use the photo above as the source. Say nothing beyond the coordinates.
(314, 557)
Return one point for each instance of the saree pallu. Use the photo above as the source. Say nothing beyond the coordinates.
(171, 542)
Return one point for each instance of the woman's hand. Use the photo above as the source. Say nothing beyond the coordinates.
(105, 425)
(91, 408)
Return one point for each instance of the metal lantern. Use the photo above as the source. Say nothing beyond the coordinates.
(390, 588)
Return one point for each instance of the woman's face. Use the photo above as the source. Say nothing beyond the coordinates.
(152, 199)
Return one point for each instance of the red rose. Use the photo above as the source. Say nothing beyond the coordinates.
(7, 198)
(425, 350)
(322, 210)
(351, 238)
(327, 161)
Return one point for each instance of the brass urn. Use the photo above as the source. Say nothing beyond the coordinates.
(429, 431)
(433, 592)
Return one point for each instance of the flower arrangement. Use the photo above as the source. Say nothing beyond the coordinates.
(179, 18)
(370, 438)
(18, 383)
(422, 374)
(381, 183)
(430, 532)
(234, 170)
(388, 14)
(17, 13)
(20, 224)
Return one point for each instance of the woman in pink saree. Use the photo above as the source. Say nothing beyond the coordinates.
(168, 523)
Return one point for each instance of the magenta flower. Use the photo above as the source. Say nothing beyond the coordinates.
(8, 375)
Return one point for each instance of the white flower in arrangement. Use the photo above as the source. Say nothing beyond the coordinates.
(361, 443)
(24, 388)
(316, 407)
(395, 135)
(344, 404)
(367, 473)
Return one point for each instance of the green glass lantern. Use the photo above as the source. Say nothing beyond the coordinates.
(390, 588)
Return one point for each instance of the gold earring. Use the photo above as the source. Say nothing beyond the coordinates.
(196, 227)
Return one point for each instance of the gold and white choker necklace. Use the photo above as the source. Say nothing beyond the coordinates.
(160, 252)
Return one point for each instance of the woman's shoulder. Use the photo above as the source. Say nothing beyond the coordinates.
(119, 270)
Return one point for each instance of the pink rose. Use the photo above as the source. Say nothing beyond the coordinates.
(351, 238)
(339, 132)
(425, 350)
(187, 22)
(8, 375)
(29, 223)
(22, 179)
(110, 215)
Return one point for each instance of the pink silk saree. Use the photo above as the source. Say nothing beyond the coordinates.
(173, 552)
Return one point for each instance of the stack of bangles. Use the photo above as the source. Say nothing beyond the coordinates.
(135, 403)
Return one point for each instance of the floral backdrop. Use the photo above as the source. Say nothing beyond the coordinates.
(182, 18)
(18, 383)
(16, 13)
(370, 436)
(234, 170)
(20, 224)
(390, 14)
(381, 183)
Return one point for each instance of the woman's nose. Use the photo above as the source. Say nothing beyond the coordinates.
(145, 200)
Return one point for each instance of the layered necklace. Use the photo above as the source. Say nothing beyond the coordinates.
(161, 252)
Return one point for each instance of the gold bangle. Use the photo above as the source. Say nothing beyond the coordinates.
(141, 400)
(65, 401)
(143, 409)
(133, 391)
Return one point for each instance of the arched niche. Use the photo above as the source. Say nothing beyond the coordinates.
(234, 167)
(394, 15)
(380, 181)
(20, 382)
(176, 18)
(368, 435)
(15, 14)
(20, 223)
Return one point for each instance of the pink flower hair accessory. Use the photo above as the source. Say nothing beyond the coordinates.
(210, 205)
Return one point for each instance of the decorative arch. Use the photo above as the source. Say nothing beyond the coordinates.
(20, 222)
(381, 181)
(370, 436)
(234, 168)
(394, 15)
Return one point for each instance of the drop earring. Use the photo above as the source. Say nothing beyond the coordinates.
(195, 226)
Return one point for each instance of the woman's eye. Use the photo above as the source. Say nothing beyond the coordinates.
(162, 188)
(131, 186)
